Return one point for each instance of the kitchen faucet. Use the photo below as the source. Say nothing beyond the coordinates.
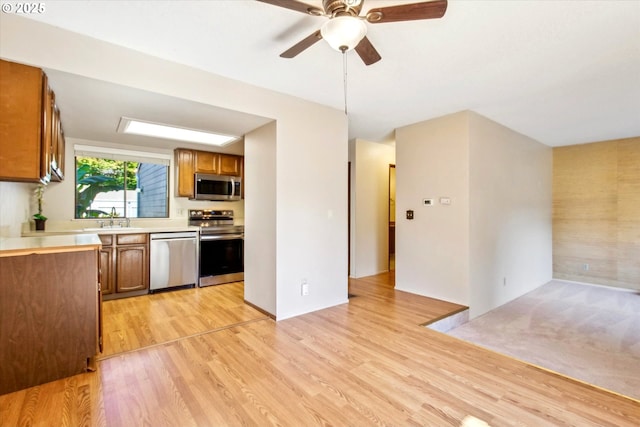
(112, 215)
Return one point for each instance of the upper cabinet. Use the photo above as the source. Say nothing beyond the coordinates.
(207, 162)
(31, 136)
(189, 162)
(185, 172)
(57, 146)
(230, 165)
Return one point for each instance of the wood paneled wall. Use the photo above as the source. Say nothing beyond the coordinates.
(596, 213)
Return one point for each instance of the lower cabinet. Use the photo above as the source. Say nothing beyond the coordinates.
(124, 264)
(49, 317)
(106, 264)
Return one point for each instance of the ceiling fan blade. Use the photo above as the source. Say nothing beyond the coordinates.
(295, 5)
(302, 45)
(367, 52)
(408, 12)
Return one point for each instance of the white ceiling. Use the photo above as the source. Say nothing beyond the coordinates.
(561, 72)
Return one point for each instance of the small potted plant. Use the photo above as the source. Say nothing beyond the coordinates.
(39, 218)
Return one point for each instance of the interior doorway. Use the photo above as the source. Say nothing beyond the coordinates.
(392, 217)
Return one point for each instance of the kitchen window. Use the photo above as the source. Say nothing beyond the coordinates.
(120, 183)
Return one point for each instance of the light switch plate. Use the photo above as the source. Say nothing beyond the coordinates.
(427, 202)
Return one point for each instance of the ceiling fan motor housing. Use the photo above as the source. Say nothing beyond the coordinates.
(342, 7)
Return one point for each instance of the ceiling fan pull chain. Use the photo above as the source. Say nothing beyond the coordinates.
(344, 68)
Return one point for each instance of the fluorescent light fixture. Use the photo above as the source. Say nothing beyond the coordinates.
(159, 130)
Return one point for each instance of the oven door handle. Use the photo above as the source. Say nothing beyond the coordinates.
(207, 237)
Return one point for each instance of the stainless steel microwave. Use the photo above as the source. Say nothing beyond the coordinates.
(217, 187)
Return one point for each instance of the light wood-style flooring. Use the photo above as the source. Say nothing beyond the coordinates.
(134, 323)
(367, 362)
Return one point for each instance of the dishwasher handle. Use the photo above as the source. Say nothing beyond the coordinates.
(174, 236)
(172, 239)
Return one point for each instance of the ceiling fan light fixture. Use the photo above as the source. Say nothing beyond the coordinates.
(343, 33)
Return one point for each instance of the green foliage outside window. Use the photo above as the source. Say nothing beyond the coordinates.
(117, 188)
(95, 175)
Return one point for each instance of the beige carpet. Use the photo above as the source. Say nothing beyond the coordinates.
(590, 333)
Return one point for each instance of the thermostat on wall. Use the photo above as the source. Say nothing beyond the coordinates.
(427, 202)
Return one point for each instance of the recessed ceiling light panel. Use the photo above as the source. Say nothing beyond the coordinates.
(160, 130)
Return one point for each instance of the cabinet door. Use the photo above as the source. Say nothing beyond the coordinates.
(21, 114)
(61, 149)
(132, 268)
(106, 270)
(48, 100)
(185, 173)
(57, 147)
(230, 165)
(207, 162)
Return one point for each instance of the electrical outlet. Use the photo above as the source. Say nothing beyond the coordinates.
(304, 288)
(585, 267)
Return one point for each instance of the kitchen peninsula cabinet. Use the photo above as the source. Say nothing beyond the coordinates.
(31, 136)
(124, 264)
(49, 309)
(189, 162)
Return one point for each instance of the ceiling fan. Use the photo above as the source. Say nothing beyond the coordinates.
(346, 29)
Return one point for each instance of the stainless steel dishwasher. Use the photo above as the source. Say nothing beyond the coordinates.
(173, 260)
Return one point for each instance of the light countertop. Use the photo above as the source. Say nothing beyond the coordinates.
(107, 230)
(84, 226)
(42, 244)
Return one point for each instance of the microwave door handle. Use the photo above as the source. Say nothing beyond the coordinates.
(233, 187)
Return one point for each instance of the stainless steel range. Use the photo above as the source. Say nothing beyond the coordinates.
(221, 246)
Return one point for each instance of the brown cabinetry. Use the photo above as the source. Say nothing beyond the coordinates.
(57, 146)
(230, 165)
(49, 317)
(106, 264)
(207, 162)
(189, 162)
(124, 264)
(185, 172)
(31, 136)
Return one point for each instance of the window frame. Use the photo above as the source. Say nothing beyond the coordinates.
(124, 156)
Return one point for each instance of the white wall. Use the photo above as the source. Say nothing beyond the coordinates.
(432, 250)
(260, 227)
(498, 224)
(311, 149)
(17, 205)
(370, 209)
(311, 214)
(510, 214)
